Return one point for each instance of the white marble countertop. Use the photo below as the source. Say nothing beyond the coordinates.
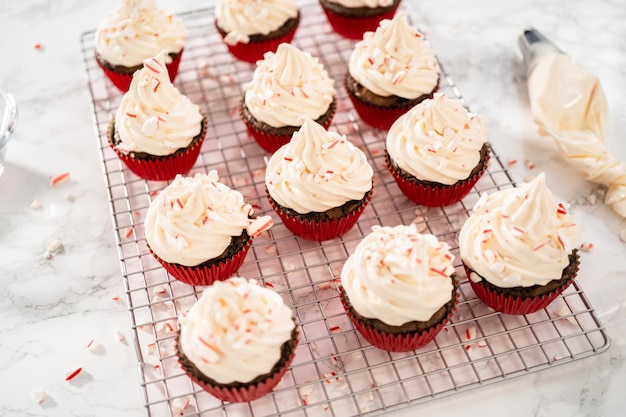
(51, 308)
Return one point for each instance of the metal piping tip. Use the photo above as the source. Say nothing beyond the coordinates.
(534, 44)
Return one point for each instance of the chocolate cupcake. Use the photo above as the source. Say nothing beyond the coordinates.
(237, 340)
(437, 151)
(200, 230)
(399, 288)
(352, 18)
(519, 248)
(127, 38)
(390, 71)
(285, 86)
(251, 28)
(319, 183)
(157, 132)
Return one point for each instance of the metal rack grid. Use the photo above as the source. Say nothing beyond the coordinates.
(335, 372)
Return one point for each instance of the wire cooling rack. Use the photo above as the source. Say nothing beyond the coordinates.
(335, 372)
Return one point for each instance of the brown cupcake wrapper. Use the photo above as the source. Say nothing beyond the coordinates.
(247, 392)
(122, 80)
(205, 275)
(436, 196)
(515, 305)
(161, 168)
(320, 230)
(353, 27)
(401, 342)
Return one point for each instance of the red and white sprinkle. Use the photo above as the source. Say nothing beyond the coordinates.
(160, 290)
(226, 79)
(470, 333)
(482, 343)
(529, 164)
(313, 346)
(512, 162)
(335, 329)
(115, 298)
(38, 46)
(586, 247)
(179, 405)
(120, 336)
(93, 345)
(72, 373)
(128, 233)
(38, 395)
(36, 205)
(59, 179)
(151, 347)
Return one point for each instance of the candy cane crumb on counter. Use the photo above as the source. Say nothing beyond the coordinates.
(586, 247)
(36, 205)
(72, 373)
(93, 346)
(59, 179)
(38, 394)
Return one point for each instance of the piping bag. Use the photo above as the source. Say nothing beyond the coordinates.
(568, 103)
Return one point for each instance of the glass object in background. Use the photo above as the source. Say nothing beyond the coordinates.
(8, 116)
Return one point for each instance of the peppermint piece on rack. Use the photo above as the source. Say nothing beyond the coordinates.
(470, 333)
(313, 346)
(335, 329)
(128, 233)
(160, 290)
(38, 394)
(72, 373)
(179, 405)
(529, 164)
(36, 205)
(482, 343)
(120, 336)
(59, 179)
(151, 347)
(512, 162)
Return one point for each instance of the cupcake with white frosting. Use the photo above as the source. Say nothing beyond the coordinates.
(286, 85)
(237, 340)
(249, 28)
(352, 18)
(399, 288)
(157, 131)
(437, 151)
(390, 71)
(319, 183)
(519, 248)
(134, 32)
(200, 230)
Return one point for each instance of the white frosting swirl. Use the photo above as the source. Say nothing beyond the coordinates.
(518, 237)
(242, 18)
(438, 140)
(351, 4)
(154, 117)
(138, 30)
(317, 170)
(288, 84)
(395, 61)
(235, 331)
(398, 275)
(194, 219)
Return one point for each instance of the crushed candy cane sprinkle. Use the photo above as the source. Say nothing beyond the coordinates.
(72, 373)
(38, 394)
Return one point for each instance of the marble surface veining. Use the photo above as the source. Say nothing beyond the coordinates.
(51, 308)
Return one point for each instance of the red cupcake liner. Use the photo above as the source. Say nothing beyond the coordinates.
(245, 393)
(432, 196)
(355, 27)
(161, 168)
(271, 142)
(511, 304)
(253, 51)
(401, 342)
(122, 80)
(320, 230)
(205, 275)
